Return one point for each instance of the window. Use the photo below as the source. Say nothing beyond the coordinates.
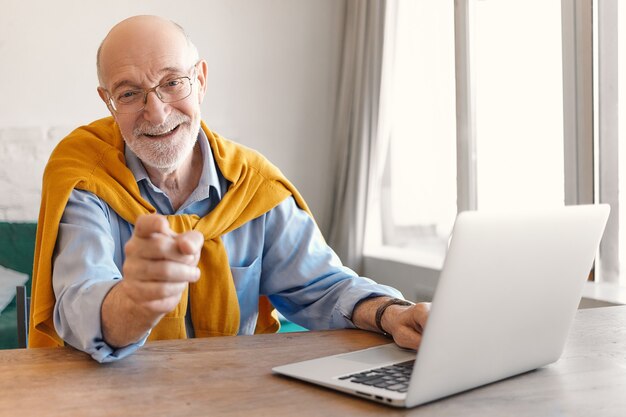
(518, 104)
(493, 107)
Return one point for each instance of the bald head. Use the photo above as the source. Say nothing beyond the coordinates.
(142, 38)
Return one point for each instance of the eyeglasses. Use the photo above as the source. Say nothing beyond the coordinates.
(171, 91)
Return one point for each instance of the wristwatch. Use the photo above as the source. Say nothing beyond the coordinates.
(381, 310)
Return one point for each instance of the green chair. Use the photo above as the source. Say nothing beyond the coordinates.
(17, 248)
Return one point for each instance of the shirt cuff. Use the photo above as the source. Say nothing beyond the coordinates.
(104, 353)
(342, 314)
(77, 319)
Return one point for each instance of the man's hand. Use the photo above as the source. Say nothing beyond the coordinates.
(405, 323)
(159, 264)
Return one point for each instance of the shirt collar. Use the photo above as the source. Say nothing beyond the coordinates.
(208, 179)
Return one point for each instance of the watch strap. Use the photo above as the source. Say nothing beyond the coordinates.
(381, 310)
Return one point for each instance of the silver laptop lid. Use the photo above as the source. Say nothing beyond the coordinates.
(506, 297)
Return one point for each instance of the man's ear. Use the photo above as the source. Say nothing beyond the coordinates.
(104, 96)
(202, 72)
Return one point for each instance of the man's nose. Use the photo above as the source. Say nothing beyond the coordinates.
(155, 111)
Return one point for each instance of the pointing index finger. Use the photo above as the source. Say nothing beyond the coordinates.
(148, 224)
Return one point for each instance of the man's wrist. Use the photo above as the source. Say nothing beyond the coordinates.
(117, 330)
(380, 311)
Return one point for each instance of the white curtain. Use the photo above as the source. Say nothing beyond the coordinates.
(360, 130)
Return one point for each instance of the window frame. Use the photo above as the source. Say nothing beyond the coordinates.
(607, 132)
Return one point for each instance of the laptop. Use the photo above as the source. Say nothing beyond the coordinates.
(505, 301)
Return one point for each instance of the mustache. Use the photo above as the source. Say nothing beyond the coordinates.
(173, 120)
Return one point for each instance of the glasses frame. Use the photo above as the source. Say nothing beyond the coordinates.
(191, 78)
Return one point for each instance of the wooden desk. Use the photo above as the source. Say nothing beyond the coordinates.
(231, 376)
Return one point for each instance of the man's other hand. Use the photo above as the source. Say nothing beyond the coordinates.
(406, 323)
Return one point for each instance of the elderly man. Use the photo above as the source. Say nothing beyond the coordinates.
(154, 227)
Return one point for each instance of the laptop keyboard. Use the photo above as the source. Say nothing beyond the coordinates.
(393, 377)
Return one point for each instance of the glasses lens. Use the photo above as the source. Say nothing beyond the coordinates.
(129, 101)
(131, 97)
(174, 90)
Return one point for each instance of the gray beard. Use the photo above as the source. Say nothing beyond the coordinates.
(165, 156)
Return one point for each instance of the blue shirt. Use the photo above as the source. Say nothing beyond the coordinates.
(281, 254)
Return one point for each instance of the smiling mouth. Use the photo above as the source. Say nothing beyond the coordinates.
(164, 134)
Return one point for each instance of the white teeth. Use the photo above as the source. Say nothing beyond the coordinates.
(161, 134)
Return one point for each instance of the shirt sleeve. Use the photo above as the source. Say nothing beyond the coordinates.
(304, 278)
(84, 271)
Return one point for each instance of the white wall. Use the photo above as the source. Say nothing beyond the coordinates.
(273, 74)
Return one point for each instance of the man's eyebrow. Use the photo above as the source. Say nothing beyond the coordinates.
(124, 83)
(162, 72)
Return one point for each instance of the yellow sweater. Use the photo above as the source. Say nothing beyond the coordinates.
(91, 158)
